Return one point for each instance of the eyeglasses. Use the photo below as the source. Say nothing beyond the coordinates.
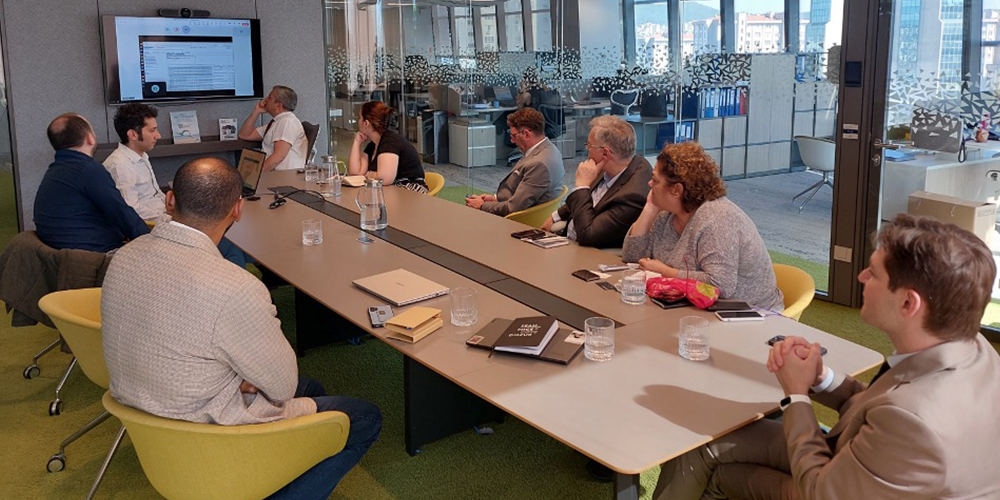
(589, 145)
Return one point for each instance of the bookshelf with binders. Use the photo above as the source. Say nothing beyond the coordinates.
(719, 102)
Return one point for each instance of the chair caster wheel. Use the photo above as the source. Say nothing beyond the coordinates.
(31, 372)
(56, 464)
(55, 408)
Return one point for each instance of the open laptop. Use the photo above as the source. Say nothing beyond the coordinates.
(250, 165)
(400, 287)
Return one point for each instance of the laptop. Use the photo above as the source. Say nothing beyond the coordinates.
(251, 162)
(400, 287)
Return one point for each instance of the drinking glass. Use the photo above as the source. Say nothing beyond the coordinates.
(312, 172)
(634, 285)
(600, 342)
(463, 307)
(693, 343)
(312, 232)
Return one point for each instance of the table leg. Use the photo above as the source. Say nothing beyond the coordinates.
(315, 325)
(436, 407)
(626, 486)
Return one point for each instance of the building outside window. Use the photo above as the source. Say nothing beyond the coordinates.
(513, 26)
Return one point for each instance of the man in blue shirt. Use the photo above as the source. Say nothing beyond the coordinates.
(78, 205)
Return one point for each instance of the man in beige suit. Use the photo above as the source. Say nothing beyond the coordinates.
(189, 335)
(925, 428)
(536, 179)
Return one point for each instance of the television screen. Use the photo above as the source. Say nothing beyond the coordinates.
(176, 59)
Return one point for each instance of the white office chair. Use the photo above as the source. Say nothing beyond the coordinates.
(622, 101)
(818, 154)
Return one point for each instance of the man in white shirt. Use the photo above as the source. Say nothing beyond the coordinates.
(129, 164)
(283, 138)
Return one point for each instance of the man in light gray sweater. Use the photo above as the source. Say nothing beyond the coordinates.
(189, 335)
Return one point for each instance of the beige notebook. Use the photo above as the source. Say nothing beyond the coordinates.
(414, 324)
(353, 180)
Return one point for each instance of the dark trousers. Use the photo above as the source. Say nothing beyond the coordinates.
(366, 423)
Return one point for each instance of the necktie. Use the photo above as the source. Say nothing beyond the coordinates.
(881, 371)
(268, 127)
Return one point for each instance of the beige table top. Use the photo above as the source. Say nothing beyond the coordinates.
(325, 272)
(644, 407)
(485, 238)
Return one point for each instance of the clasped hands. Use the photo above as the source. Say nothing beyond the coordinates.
(797, 363)
(476, 201)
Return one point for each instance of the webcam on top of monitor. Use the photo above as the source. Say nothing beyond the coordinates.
(185, 12)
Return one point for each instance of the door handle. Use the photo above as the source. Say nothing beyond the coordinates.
(884, 145)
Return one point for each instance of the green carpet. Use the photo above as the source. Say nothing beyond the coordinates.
(517, 462)
(457, 193)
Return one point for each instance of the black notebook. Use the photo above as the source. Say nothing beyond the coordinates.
(527, 335)
(558, 349)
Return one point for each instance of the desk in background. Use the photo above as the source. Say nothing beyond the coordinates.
(937, 173)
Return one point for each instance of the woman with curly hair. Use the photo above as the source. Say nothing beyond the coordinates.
(689, 229)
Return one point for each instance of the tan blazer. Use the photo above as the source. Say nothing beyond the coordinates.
(537, 178)
(928, 428)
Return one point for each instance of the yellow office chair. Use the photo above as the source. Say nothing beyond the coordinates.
(797, 287)
(187, 460)
(538, 214)
(434, 183)
(77, 315)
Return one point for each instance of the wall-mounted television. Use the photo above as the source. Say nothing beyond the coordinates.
(158, 59)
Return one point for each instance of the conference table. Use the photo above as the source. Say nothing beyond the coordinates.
(642, 408)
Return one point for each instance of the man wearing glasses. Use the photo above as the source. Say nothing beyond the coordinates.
(610, 188)
(536, 179)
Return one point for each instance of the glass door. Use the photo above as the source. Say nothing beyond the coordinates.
(933, 148)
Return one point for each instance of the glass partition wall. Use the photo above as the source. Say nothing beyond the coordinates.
(755, 82)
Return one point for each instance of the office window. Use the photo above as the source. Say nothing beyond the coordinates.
(821, 23)
(652, 40)
(514, 25)
(990, 70)
(541, 25)
(442, 32)
(701, 28)
(488, 28)
(760, 26)
(465, 33)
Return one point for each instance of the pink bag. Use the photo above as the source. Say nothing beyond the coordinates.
(701, 295)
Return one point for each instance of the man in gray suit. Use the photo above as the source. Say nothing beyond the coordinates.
(536, 179)
(189, 335)
(926, 425)
(610, 190)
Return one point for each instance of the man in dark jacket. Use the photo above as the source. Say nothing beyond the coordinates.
(610, 189)
(78, 205)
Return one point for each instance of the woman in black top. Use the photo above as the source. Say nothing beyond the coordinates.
(388, 156)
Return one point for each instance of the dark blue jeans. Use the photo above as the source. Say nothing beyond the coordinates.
(366, 423)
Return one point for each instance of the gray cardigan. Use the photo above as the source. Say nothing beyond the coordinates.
(721, 246)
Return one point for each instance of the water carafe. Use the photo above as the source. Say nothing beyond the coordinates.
(371, 202)
(329, 177)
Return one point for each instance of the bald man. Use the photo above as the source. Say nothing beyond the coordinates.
(77, 205)
(190, 336)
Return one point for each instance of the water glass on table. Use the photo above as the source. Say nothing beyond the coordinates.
(312, 172)
(312, 232)
(599, 344)
(463, 307)
(634, 285)
(693, 343)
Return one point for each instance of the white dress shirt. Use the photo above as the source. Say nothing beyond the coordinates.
(134, 178)
(288, 128)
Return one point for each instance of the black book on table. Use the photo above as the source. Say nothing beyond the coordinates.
(527, 335)
(558, 349)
